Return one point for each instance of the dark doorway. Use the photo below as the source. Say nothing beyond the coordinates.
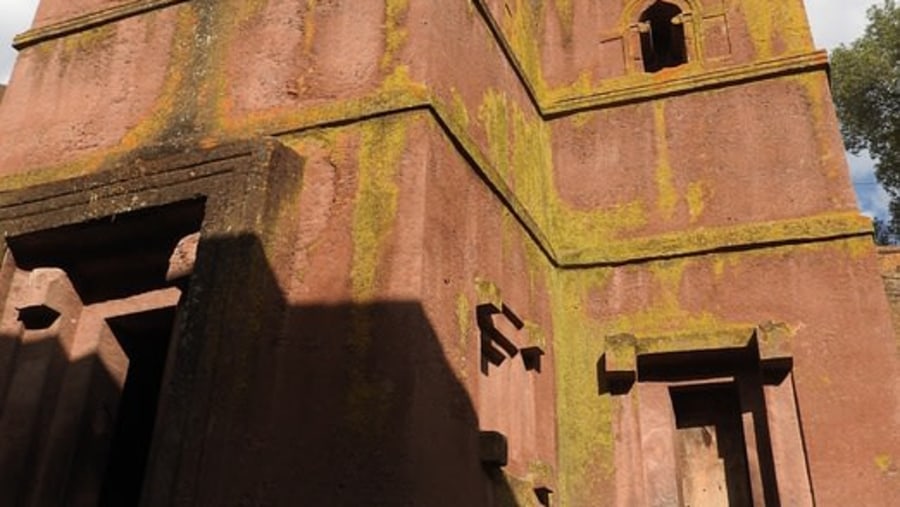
(144, 337)
(103, 421)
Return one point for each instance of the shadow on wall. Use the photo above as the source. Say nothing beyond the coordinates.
(260, 403)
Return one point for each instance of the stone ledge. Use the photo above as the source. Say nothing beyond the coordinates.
(697, 241)
(88, 21)
(681, 243)
(768, 345)
(652, 88)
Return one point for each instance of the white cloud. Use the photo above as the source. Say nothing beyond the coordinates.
(15, 18)
(873, 200)
(837, 21)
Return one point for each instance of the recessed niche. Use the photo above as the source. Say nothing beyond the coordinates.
(697, 425)
(662, 37)
(709, 442)
(113, 252)
(97, 310)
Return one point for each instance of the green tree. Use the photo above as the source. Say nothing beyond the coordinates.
(865, 79)
(883, 235)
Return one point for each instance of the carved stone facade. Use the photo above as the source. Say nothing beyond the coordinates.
(469, 252)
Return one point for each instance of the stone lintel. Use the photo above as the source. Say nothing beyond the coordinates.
(770, 344)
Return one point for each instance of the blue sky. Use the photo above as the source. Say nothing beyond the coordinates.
(833, 22)
(841, 21)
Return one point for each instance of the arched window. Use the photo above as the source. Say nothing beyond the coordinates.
(662, 37)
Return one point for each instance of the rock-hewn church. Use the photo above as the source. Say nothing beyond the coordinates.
(435, 253)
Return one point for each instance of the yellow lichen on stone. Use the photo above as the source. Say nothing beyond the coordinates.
(664, 314)
(585, 426)
(459, 113)
(728, 336)
(667, 195)
(859, 247)
(394, 33)
(566, 14)
(494, 117)
(82, 44)
(520, 494)
(464, 323)
(382, 143)
(397, 92)
(586, 444)
(696, 200)
(520, 150)
(582, 118)
(309, 25)
(487, 292)
(166, 107)
(884, 463)
(242, 11)
(521, 27)
(381, 149)
(777, 26)
(819, 104)
(719, 265)
(80, 167)
(369, 397)
(702, 239)
(397, 84)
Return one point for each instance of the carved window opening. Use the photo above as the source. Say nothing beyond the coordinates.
(706, 426)
(719, 440)
(663, 42)
(144, 338)
(97, 304)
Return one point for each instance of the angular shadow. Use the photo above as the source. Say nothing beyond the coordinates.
(56, 424)
(265, 403)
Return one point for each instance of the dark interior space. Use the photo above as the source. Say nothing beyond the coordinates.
(266, 403)
(57, 455)
(109, 432)
(714, 412)
(749, 376)
(663, 44)
(694, 364)
(263, 400)
(145, 339)
(715, 389)
(115, 256)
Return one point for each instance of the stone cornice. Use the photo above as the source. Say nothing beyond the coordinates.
(651, 88)
(88, 21)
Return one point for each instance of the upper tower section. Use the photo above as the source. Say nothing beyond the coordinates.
(612, 127)
(574, 48)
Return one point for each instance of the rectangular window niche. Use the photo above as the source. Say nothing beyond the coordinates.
(702, 424)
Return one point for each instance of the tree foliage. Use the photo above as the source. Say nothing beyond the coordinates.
(883, 235)
(866, 88)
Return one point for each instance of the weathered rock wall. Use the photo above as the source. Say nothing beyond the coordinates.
(485, 185)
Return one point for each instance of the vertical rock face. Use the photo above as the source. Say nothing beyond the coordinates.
(889, 262)
(310, 252)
